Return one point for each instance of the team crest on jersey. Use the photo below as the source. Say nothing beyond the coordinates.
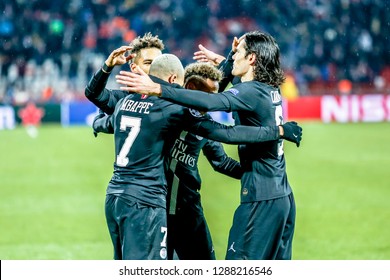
(195, 113)
(163, 253)
(234, 91)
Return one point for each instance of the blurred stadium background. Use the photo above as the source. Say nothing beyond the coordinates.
(53, 179)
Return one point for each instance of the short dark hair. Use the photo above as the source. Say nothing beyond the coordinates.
(267, 69)
(147, 41)
(203, 70)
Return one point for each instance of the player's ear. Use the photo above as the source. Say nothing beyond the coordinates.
(197, 83)
(190, 84)
(133, 66)
(252, 58)
(172, 78)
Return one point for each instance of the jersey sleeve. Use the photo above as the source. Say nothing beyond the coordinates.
(226, 68)
(99, 95)
(195, 99)
(238, 134)
(237, 98)
(220, 161)
(104, 124)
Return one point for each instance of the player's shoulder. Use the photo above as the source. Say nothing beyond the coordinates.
(119, 94)
(193, 116)
(195, 113)
(248, 87)
(170, 106)
(170, 110)
(259, 87)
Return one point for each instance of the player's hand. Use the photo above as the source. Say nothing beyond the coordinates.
(99, 116)
(138, 82)
(205, 55)
(292, 132)
(119, 57)
(236, 42)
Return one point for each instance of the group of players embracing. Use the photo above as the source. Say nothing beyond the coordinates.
(160, 124)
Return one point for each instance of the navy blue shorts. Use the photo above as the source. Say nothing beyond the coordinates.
(188, 234)
(138, 232)
(263, 230)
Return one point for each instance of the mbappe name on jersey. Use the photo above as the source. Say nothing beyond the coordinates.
(136, 106)
(179, 153)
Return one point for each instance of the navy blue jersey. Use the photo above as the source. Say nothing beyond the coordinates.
(183, 174)
(144, 130)
(254, 104)
(185, 154)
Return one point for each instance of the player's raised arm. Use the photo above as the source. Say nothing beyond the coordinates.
(119, 56)
(96, 90)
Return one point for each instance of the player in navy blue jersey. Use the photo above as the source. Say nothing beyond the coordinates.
(263, 224)
(189, 235)
(144, 130)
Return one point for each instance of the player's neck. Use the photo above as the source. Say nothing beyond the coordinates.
(247, 77)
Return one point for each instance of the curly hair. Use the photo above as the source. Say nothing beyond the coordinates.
(267, 68)
(203, 70)
(147, 41)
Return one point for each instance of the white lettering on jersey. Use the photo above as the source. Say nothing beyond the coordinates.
(179, 153)
(136, 106)
(275, 96)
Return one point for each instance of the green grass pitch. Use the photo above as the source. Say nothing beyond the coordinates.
(52, 191)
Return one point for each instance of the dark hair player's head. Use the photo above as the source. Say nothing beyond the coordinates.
(146, 49)
(202, 76)
(267, 67)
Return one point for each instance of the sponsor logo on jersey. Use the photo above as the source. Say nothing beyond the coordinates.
(179, 152)
(144, 96)
(195, 113)
(234, 91)
(244, 191)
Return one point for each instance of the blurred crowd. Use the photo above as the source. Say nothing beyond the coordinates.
(49, 49)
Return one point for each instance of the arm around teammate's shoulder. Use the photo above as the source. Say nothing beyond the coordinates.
(238, 134)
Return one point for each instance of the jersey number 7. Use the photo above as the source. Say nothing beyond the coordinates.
(135, 125)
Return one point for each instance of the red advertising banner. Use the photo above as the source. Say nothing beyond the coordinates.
(303, 108)
(330, 108)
